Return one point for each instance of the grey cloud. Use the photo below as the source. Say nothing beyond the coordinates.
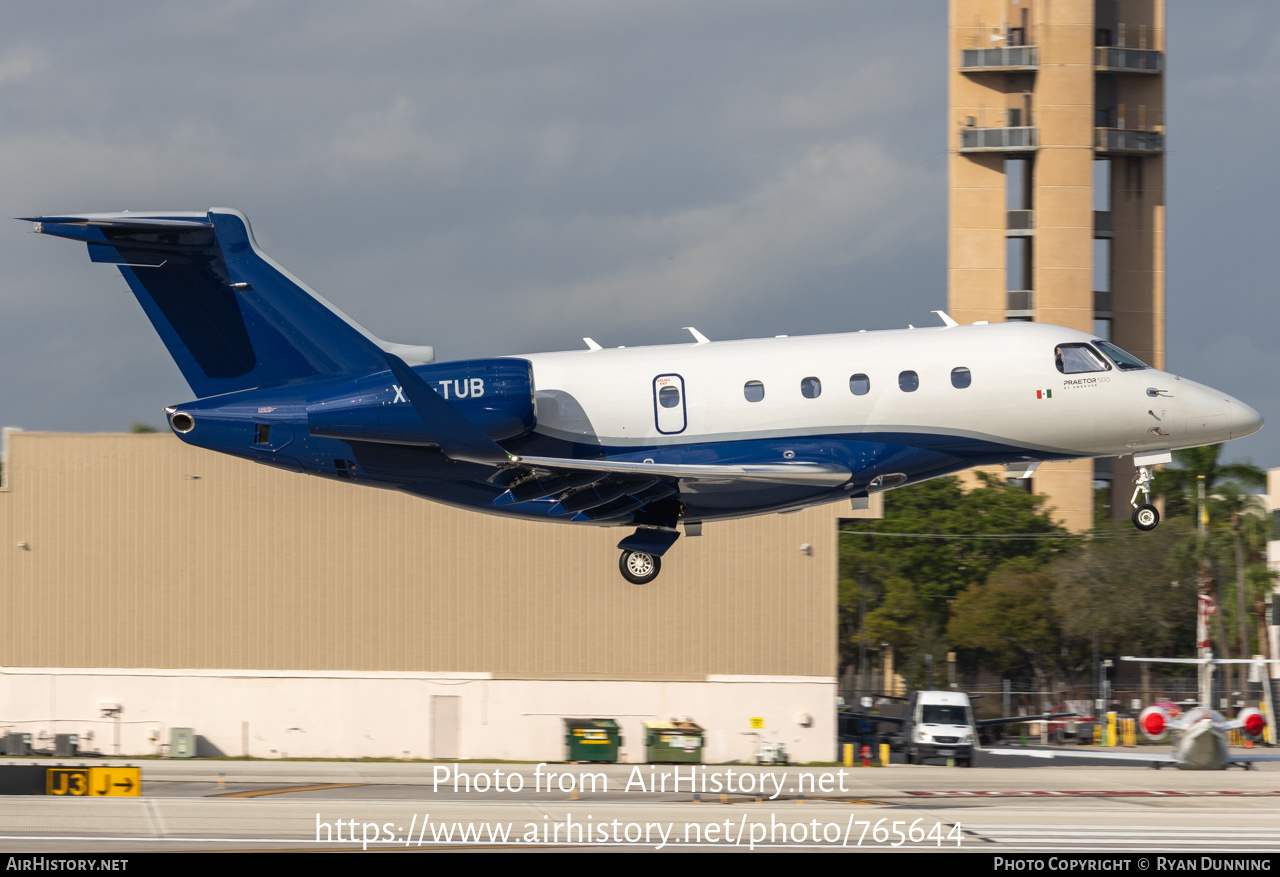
(501, 177)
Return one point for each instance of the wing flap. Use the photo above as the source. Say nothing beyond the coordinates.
(813, 474)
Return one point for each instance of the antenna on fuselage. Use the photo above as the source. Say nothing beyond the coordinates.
(945, 317)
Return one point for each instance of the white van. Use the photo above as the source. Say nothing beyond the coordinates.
(939, 724)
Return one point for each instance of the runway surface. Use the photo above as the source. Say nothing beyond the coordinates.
(256, 805)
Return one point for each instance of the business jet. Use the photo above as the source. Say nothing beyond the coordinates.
(1200, 732)
(649, 438)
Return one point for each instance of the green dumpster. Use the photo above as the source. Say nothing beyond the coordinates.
(673, 742)
(592, 739)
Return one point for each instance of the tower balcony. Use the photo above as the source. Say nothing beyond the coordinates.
(1129, 141)
(1117, 59)
(1000, 59)
(999, 139)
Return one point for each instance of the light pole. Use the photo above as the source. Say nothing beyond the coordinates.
(862, 632)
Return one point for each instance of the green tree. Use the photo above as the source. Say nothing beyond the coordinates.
(1236, 553)
(142, 428)
(935, 541)
(1011, 621)
(1133, 593)
(1236, 538)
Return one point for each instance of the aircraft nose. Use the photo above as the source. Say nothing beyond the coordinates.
(1242, 419)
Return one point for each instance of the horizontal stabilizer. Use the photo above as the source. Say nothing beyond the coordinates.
(231, 318)
(1214, 661)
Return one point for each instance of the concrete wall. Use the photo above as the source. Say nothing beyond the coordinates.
(351, 715)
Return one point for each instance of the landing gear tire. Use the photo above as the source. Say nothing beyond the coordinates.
(638, 567)
(1146, 517)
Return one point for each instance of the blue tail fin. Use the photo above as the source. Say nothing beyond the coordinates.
(231, 317)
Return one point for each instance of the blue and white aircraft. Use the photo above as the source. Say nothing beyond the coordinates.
(647, 438)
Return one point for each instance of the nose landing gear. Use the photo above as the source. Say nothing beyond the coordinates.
(1145, 516)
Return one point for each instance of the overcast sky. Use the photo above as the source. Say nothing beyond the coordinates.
(506, 177)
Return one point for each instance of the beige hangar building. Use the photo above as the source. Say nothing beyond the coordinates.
(148, 585)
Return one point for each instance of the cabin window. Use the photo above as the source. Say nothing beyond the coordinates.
(859, 385)
(1126, 360)
(669, 397)
(753, 390)
(1074, 359)
(961, 377)
(908, 381)
(811, 388)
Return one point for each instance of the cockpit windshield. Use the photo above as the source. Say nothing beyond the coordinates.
(1074, 359)
(1125, 360)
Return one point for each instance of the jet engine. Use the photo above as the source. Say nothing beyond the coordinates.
(1154, 722)
(494, 394)
(1252, 723)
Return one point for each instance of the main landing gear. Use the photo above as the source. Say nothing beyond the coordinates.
(1145, 516)
(639, 567)
(642, 552)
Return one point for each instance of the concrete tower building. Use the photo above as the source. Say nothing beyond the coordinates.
(1057, 185)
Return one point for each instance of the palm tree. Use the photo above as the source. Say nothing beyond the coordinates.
(1179, 486)
(1226, 489)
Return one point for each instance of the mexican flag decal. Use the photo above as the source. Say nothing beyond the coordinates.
(1044, 394)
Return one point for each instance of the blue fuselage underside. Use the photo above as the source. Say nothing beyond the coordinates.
(229, 424)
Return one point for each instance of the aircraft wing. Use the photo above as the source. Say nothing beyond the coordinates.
(893, 720)
(816, 474)
(1011, 720)
(1133, 757)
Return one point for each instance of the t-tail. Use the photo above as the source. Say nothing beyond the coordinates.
(231, 317)
(1155, 721)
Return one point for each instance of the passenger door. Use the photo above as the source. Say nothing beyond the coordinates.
(668, 404)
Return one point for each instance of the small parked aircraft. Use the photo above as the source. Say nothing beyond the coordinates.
(650, 437)
(1201, 732)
